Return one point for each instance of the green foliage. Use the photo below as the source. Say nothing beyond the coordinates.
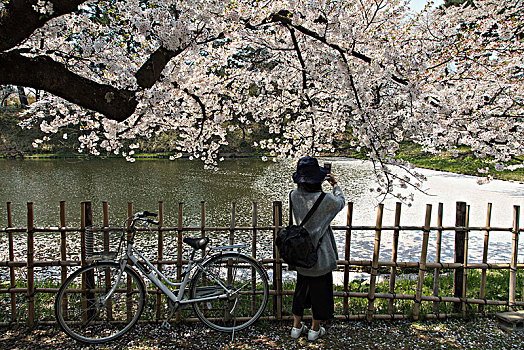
(464, 162)
(13, 140)
(17, 142)
(496, 288)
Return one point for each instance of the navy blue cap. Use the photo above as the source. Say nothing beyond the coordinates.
(309, 172)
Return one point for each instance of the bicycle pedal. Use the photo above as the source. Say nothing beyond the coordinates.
(166, 325)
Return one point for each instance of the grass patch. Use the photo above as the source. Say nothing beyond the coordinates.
(497, 282)
(464, 163)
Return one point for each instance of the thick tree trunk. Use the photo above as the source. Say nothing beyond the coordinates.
(22, 97)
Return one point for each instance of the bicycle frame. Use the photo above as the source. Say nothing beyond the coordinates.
(151, 272)
(100, 302)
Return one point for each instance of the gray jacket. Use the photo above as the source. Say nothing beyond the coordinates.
(317, 225)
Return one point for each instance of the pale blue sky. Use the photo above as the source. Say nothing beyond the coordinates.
(417, 5)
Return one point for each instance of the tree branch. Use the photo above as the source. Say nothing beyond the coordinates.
(202, 106)
(151, 70)
(299, 56)
(19, 19)
(286, 21)
(43, 73)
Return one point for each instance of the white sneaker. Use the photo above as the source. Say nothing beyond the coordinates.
(314, 335)
(296, 332)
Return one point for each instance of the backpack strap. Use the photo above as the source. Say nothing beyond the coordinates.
(313, 209)
(310, 212)
(290, 209)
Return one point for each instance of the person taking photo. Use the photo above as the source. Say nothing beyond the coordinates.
(314, 287)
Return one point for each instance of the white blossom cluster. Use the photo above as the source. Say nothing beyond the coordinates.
(45, 7)
(310, 72)
(474, 85)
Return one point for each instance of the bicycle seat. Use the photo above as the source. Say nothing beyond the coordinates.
(197, 243)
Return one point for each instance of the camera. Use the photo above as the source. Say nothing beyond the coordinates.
(327, 166)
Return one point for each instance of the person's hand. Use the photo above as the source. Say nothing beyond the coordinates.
(331, 179)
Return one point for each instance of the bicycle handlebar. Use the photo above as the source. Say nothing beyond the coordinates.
(151, 221)
(143, 214)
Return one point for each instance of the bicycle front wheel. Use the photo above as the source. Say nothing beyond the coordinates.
(87, 311)
(233, 292)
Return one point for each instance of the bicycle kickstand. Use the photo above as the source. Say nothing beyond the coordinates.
(166, 324)
(234, 324)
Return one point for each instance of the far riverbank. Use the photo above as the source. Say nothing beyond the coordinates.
(464, 163)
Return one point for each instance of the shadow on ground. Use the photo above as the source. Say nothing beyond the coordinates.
(481, 333)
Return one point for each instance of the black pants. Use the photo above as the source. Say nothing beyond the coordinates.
(315, 293)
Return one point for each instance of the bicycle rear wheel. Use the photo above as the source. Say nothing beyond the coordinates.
(80, 308)
(248, 293)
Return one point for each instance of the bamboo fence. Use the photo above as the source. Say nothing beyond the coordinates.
(275, 265)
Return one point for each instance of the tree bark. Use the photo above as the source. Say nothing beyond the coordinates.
(22, 97)
(19, 19)
(151, 70)
(41, 72)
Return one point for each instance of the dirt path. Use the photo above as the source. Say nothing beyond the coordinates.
(482, 333)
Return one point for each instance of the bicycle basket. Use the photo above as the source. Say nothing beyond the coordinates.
(101, 243)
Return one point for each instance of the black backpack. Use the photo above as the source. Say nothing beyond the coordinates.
(294, 241)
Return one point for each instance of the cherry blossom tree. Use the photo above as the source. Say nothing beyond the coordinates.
(307, 71)
(473, 79)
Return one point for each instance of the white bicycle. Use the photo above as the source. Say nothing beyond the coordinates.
(102, 301)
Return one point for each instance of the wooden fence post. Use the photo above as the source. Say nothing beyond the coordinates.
(128, 225)
(129, 282)
(105, 226)
(63, 242)
(179, 253)
(203, 223)
(63, 250)
(30, 266)
(82, 234)
(465, 279)
(482, 294)
(87, 252)
(83, 254)
(422, 266)
(460, 234)
(232, 223)
(347, 255)
(179, 241)
(254, 223)
(129, 214)
(88, 232)
(160, 255)
(277, 266)
(374, 264)
(107, 249)
(394, 253)
(12, 276)
(436, 281)
(514, 256)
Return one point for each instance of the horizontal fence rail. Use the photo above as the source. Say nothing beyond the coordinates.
(19, 290)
